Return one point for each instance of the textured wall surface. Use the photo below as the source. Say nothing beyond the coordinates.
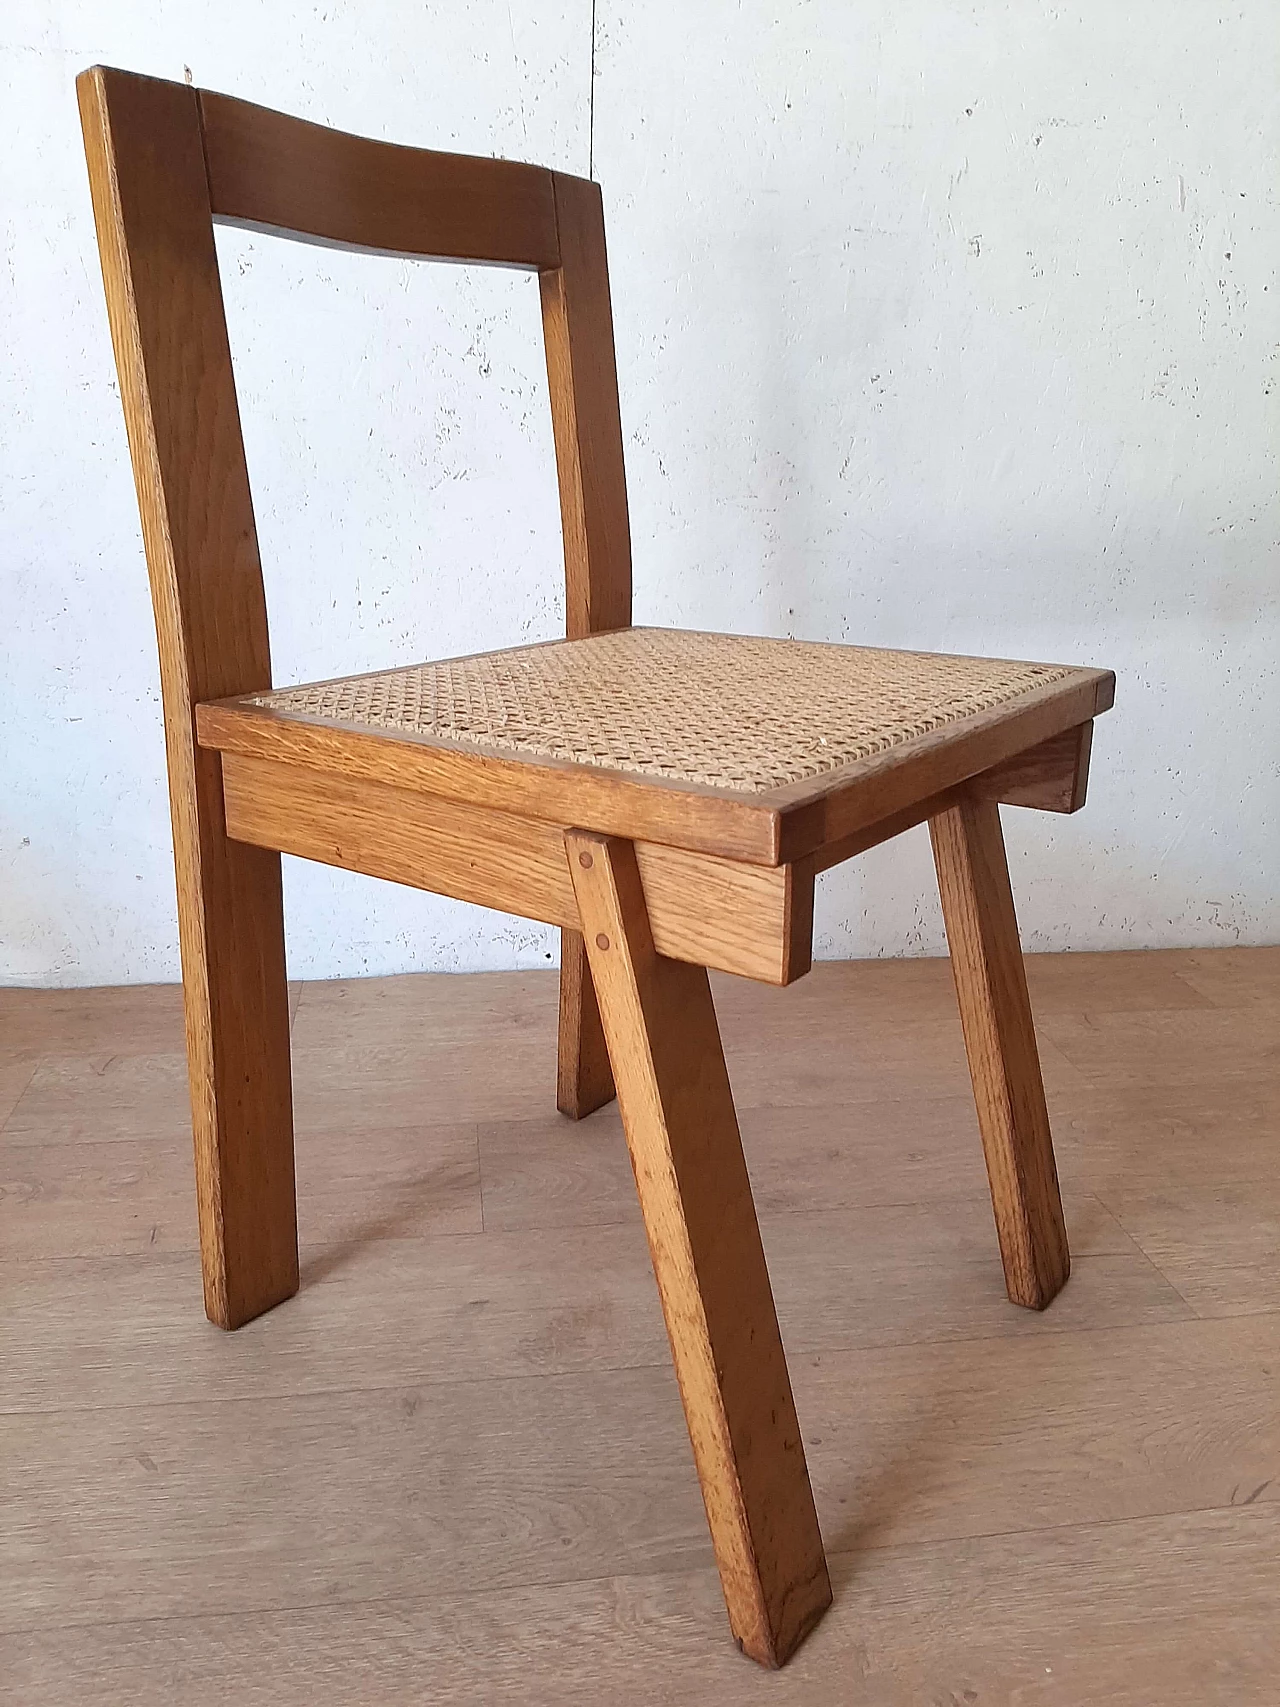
(938, 326)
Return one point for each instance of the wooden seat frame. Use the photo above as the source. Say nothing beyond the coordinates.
(650, 885)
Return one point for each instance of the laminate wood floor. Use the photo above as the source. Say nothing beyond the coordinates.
(454, 1468)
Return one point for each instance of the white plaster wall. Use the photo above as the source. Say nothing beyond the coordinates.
(398, 438)
(957, 327)
(938, 326)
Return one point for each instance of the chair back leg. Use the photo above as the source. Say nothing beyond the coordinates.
(231, 924)
(584, 1079)
(1000, 1040)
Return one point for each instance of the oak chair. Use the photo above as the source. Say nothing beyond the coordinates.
(666, 798)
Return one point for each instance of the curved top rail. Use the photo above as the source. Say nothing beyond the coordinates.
(286, 175)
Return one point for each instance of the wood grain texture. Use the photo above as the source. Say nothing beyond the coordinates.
(677, 1110)
(839, 805)
(377, 1481)
(1234, 977)
(553, 1298)
(164, 301)
(347, 1494)
(131, 1196)
(731, 827)
(1049, 778)
(1217, 1239)
(288, 176)
(123, 1019)
(1052, 777)
(770, 827)
(1175, 1608)
(752, 920)
(1164, 1048)
(584, 1078)
(577, 324)
(16, 1075)
(1000, 1040)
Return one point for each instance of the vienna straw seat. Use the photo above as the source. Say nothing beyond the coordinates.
(667, 798)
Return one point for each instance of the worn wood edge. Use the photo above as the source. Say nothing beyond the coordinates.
(1050, 777)
(737, 827)
(1044, 711)
(884, 830)
(771, 827)
(733, 826)
(832, 808)
(755, 921)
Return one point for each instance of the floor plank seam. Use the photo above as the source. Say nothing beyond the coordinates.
(480, 1175)
(660, 1361)
(452, 1461)
(8, 1119)
(1248, 1511)
(1142, 1251)
(1138, 1245)
(1229, 1507)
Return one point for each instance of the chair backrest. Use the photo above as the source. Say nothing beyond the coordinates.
(166, 161)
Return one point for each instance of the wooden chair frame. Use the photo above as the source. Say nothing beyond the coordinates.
(649, 886)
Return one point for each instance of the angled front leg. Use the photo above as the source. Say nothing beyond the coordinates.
(678, 1113)
(1000, 1039)
(584, 1080)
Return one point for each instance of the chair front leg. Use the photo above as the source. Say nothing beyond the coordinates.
(584, 1080)
(1000, 1039)
(677, 1110)
(231, 925)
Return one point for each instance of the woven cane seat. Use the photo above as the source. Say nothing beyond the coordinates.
(715, 710)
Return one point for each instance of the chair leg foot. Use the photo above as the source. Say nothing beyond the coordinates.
(584, 1080)
(695, 1195)
(231, 924)
(1000, 1039)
